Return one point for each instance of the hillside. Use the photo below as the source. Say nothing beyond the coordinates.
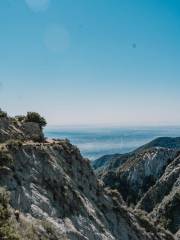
(54, 193)
(115, 160)
(148, 179)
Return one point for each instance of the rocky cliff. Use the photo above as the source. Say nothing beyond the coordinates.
(54, 193)
(19, 128)
(148, 179)
(162, 200)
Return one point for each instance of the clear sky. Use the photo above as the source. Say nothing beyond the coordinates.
(91, 61)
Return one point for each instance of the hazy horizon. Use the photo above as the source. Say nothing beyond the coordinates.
(91, 62)
(94, 142)
(110, 125)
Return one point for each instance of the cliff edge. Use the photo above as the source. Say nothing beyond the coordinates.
(49, 192)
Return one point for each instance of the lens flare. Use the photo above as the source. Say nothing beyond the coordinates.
(38, 5)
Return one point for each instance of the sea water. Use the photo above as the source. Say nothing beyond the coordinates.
(95, 142)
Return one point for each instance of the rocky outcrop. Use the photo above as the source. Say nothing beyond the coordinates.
(52, 182)
(54, 190)
(162, 187)
(149, 179)
(107, 162)
(162, 201)
(138, 173)
(18, 128)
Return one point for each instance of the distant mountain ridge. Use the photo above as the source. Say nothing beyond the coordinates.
(164, 142)
(113, 160)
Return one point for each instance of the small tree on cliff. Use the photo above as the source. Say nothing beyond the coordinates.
(35, 117)
(2, 114)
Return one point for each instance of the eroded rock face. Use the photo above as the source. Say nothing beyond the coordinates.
(51, 181)
(139, 173)
(149, 179)
(163, 186)
(162, 201)
(55, 194)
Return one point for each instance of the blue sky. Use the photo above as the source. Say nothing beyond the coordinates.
(91, 61)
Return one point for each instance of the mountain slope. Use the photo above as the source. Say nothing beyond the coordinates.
(138, 173)
(54, 194)
(149, 179)
(114, 161)
(162, 201)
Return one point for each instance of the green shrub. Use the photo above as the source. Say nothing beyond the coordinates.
(5, 158)
(12, 143)
(50, 230)
(35, 117)
(6, 229)
(4, 198)
(3, 114)
(20, 118)
(7, 232)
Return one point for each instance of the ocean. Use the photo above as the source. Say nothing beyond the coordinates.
(95, 142)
